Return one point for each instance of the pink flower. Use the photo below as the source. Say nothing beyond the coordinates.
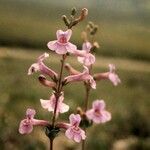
(84, 76)
(50, 104)
(113, 77)
(87, 46)
(40, 66)
(98, 114)
(26, 125)
(74, 132)
(84, 56)
(62, 44)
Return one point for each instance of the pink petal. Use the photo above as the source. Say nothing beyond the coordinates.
(43, 56)
(79, 77)
(112, 68)
(70, 47)
(89, 114)
(45, 104)
(30, 113)
(79, 53)
(77, 138)
(87, 60)
(33, 68)
(52, 45)
(45, 70)
(75, 119)
(102, 118)
(87, 46)
(83, 134)
(92, 82)
(67, 34)
(24, 127)
(61, 49)
(63, 108)
(99, 104)
(114, 78)
(69, 133)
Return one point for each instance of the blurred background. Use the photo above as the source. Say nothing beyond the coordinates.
(25, 28)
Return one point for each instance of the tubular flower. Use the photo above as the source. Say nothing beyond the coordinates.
(84, 76)
(71, 70)
(113, 77)
(74, 132)
(84, 56)
(40, 66)
(98, 114)
(50, 104)
(62, 44)
(26, 125)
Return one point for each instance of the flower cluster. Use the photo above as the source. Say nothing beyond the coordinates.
(55, 104)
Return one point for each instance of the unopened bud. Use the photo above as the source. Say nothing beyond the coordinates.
(71, 70)
(73, 11)
(45, 82)
(80, 111)
(91, 24)
(66, 20)
(94, 30)
(84, 13)
(84, 36)
(96, 45)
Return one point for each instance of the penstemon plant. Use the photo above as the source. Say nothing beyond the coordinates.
(84, 117)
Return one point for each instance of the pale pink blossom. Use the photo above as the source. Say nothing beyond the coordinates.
(41, 67)
(87, 46)
(84, 56)
(84, 76)
(74, 132)
(87, 60)
(113, 77)
(62, 44)
(50, 104)
(98, 114)
(26, 125)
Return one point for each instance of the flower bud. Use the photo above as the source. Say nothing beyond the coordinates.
(84, 13)
(73, 11)
(91, 24)
(66, 20)
(94, 30)
(45, 82)
(84, 36)
(71, 70)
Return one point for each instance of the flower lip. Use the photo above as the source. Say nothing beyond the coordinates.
(62, 39)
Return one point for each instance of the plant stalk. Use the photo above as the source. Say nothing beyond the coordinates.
(57, 95)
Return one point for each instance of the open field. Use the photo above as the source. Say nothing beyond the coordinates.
(123, 25)
(129, 102)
